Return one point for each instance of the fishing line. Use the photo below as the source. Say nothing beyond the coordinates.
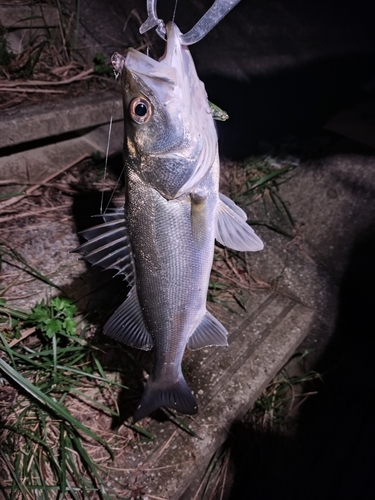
(114, 189)
(107, 152)
(174, 12)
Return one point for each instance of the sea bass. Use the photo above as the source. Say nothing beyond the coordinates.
(163, 240)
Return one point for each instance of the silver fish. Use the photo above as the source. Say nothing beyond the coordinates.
(163, 242)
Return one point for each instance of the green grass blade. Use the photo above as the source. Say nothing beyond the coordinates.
(276, 198)
(95, 403)
(7, 349)
(180, 423)
(99, 367)
(29, 269)
(274, 227)
(90, 375)
(62, 460)
(17, 481)
(57, 408)
(140, 430)
(91, 466)
(14, 313)
(54, 348)
(270, 176)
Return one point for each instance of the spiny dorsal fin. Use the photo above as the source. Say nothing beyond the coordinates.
(209, 332)
(127, 324)
(232, 230)
(108, 245)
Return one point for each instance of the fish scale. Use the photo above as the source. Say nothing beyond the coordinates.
(173, 213)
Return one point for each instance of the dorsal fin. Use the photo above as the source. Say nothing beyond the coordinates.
(108, 245)
(209, 332)
(232, 230)
(127, 324)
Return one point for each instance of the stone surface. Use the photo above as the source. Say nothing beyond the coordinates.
(36, 164)
(55, 119)
(288, 46)
(227, 381)
(38, 141)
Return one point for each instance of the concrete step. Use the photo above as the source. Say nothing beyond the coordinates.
(39, 140)
(226, 381)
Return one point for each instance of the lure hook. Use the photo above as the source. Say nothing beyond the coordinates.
(209, 20)
(153, 20)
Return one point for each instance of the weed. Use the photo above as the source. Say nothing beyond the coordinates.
(56, 318)
(101, 66)
(47, 59)
(48, 367)
(253, 181)
(5, 56)
(273, 412)
(258, 179)
(276, 406)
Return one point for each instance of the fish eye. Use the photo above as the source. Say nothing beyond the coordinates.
(140, 110)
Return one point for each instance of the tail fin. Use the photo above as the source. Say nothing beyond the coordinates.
(177, 396)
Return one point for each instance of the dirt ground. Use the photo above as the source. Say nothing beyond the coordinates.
(287, 70)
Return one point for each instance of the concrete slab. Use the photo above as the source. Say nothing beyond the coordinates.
(227, 381)
(53, 119)
(38, 141)
(333, 201)
(356, 123)
(28, 16)
(327, 196)
(36, 164)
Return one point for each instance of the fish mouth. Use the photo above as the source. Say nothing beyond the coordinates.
(174, 88)
(163, 70)
(169, 77)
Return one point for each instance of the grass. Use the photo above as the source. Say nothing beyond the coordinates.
(55, 377)
(49, 60)
(273, 412)
(53, 380)
(258, 179)
(60, 391)
(254, 185)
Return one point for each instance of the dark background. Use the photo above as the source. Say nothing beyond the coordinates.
(282, 69)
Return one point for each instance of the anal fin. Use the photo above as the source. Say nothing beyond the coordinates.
(208, 333)
(127, 324)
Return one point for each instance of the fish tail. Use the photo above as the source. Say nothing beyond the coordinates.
(177, 396)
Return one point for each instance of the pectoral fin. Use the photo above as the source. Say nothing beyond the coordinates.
(209, 332)
(108, 245)
(232, 230)
(127, 324)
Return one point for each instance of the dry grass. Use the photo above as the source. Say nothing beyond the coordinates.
(47, 63)
(92, 402)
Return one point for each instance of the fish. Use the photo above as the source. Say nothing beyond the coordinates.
(162, 241)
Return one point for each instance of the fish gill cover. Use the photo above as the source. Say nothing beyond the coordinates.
(163, 240)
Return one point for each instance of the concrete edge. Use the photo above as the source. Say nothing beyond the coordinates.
(53, 119)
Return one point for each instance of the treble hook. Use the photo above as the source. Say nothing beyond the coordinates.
(210, 19)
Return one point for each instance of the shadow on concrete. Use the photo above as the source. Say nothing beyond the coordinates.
(332, 453)
(99, 294)
(285, 109)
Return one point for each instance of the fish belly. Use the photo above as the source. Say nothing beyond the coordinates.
(173, 245)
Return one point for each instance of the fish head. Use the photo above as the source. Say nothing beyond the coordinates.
(166, 111)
